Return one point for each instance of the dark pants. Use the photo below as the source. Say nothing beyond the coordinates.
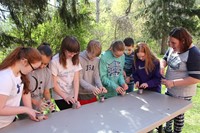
(62, 104)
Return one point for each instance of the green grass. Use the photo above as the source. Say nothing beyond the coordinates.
(192, 116)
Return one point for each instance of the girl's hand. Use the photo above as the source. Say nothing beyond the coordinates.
(31, 113)
(137, 84)
(127, 80)
(78, 104)
(103, 90)
(120, 90)
(125, 87)
(143, 85)
(42, 105)
(70, 100)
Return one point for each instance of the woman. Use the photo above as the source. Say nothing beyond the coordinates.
(183, 71)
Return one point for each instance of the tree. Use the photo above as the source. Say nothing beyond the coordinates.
(26, 15)
(163, 15)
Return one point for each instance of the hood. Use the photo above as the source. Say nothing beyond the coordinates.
(83, 54)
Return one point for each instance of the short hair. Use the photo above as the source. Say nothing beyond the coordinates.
(94, 47)
(183, 36)
(128, 41)
(117, 46)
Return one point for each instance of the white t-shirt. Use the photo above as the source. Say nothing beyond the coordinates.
(65, 76)
(10, 86)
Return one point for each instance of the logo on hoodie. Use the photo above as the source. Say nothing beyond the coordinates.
(114, 69)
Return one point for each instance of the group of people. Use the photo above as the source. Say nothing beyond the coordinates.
(77, 78)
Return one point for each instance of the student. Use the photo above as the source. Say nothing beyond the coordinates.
(111, 69)
(90, 82)
(183, 71)
(14, 83)
(128, 66)
(65, 68)
(41, 81)
(146, 69)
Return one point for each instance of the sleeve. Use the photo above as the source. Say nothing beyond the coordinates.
(103, 75)
(121, 76)
(84, 84)
(96, 75)
(193, 63)
(166, 54)
(156, 78)
(135, 74)
(6, 85)
(49, 81)
(54, 67)
(78, 67)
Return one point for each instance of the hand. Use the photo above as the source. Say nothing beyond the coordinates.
(96, 91)
(103, 90)
(32, 113)
(143, 85)
(168, 83)
(162, 71)
(127, 80)
(42, 105)
(120, 90)
(70, 100)
(137, 84)
(78, 104)
(125, 87)
(51, 105)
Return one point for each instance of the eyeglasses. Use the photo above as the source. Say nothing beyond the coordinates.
(31, 66)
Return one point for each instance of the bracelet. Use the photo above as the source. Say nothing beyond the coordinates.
(173, 83)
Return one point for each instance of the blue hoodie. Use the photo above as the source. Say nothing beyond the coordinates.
(153, 79)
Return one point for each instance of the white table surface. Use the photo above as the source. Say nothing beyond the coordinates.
(132, 113)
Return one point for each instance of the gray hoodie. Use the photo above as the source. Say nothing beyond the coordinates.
(89, 76)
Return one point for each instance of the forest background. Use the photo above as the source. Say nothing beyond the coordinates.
(30, 22)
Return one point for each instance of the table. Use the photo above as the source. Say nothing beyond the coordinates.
(132, 113)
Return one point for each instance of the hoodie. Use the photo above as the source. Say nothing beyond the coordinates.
(89, 76)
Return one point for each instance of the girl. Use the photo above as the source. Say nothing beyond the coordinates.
(41, 81)
(65, 68)
(90, 83)
(13, 83)
(111, 69)
(146, 69)
(183, 71)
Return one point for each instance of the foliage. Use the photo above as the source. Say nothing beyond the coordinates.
(161, 16)
(27, 15)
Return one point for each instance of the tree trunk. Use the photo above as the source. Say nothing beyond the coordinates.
(97, 11)
(163, 44)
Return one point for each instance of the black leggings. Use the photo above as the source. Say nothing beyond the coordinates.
(62, 104)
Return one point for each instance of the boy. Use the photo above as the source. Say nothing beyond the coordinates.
(129, 55)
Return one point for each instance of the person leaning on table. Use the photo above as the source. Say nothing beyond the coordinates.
(183, 71)
(14, 84)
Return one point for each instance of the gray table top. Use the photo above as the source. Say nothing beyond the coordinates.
(132, 113)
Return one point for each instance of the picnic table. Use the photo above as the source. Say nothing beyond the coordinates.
(132, 113)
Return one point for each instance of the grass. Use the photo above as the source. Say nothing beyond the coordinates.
(192, 116)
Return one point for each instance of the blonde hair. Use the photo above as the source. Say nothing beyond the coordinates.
(94, 47)
(150, 57)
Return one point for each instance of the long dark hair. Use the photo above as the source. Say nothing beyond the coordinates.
(31, 54)
(70, 44)
(45, 49)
